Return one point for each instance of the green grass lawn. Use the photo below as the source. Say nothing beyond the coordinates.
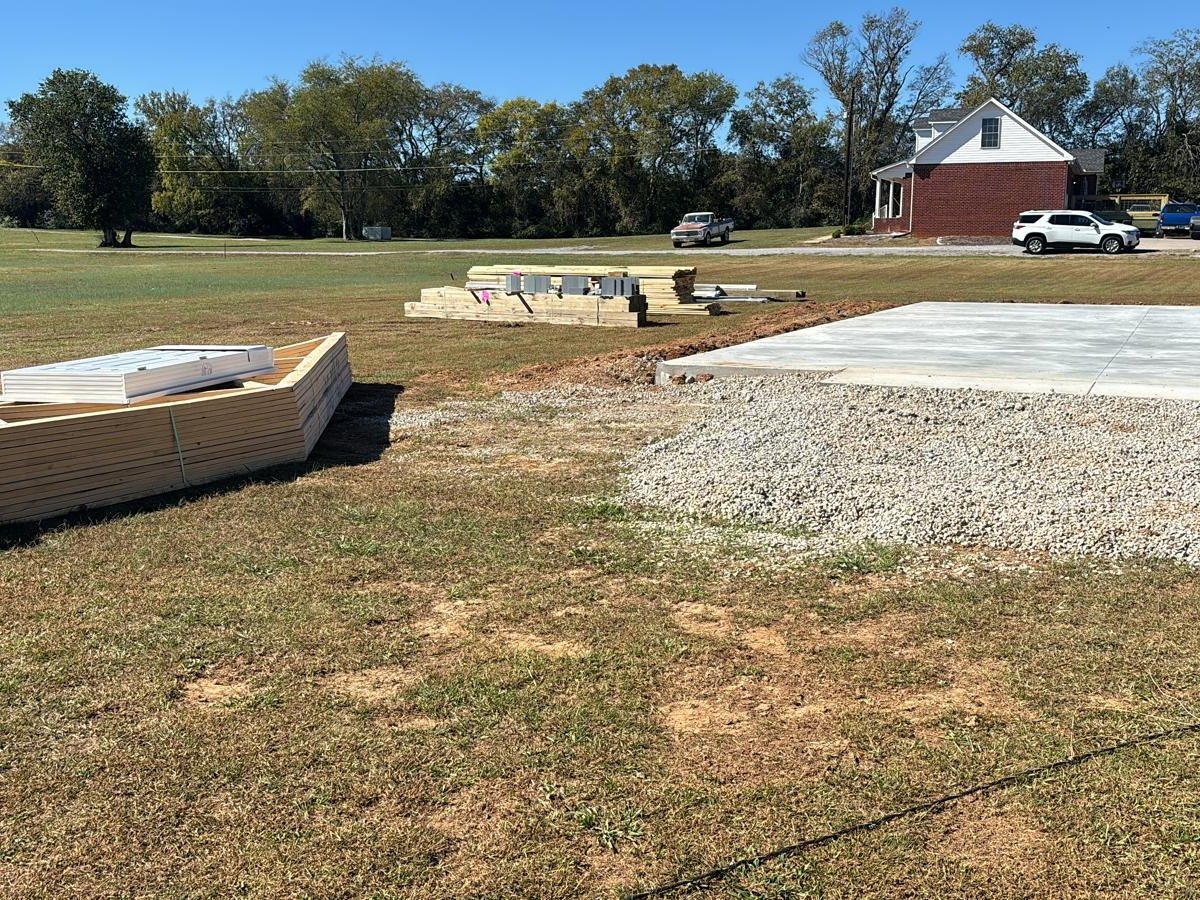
(772, 237)
(458, 665)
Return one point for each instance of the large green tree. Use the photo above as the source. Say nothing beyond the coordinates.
(535, 177)
(873, 62)
(654, 129)
(204, 183)
(1044, 84)
(97, 165)
(786, 172)
(337, 134)
(1148, 116)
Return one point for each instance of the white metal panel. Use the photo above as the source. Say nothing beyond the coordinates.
(135, 375)
(1018, 142)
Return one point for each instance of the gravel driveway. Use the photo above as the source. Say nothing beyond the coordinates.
(1068, 475)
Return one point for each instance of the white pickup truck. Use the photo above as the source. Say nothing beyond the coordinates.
(701, 228)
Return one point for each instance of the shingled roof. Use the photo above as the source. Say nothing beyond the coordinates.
(950, 114)
(1090, 159)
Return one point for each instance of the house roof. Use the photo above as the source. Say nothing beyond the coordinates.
(991, 101)
(948, 115)
(1090, 159)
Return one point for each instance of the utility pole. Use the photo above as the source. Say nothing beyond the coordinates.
(849, 148)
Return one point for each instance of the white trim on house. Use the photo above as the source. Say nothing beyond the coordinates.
(895, 170)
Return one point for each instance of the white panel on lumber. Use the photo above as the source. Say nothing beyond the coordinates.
(123, 378)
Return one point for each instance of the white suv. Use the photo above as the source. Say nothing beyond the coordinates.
(1040, 229)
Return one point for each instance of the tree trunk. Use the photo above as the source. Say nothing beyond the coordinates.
(351, 225)
(127, 241)
(108, 237)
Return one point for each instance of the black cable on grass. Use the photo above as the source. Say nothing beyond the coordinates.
(935, 806)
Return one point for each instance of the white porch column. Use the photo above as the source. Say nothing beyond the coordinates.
(891, 198)
(877, 189)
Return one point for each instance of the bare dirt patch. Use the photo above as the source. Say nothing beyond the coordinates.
(765, 640)
(888, 632)
(637, 366)
(702, 717)
(446, 621)
(532, 643)
(705, 619)
(379, 685)
(971, 689)
(991, 839)
(217, 688)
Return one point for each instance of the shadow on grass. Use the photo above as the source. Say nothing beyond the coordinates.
(358, 434)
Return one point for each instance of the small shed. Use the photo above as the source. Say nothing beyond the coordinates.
(377, 233)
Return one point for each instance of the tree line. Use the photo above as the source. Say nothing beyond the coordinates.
(357, 143)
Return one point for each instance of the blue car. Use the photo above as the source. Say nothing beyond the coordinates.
(1176, 218)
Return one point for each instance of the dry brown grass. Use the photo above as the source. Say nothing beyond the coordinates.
(453, 666)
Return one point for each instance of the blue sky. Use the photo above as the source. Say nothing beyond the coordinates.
(505, 48)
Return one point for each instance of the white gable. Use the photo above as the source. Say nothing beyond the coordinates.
(1019, 141)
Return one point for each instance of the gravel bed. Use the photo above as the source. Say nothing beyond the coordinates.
(1112, 477)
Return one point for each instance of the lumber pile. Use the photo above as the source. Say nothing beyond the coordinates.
(63, 457)
(493, 304)
(668, 290)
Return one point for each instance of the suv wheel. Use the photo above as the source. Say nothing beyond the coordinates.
(1035, 244)
(1112, 244)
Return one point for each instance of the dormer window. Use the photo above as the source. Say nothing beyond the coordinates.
(990, 138)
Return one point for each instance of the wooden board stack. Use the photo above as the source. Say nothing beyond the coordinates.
(667, 289)
(62, 457)
(492, 304)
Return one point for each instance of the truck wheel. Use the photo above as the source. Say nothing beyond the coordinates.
(707, 240)
(725, 237)
(1112, 245)
(676, 244)
(1035, 244)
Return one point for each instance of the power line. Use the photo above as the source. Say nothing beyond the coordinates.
(694, 882)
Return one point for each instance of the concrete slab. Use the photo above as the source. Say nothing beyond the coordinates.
(1122, 351)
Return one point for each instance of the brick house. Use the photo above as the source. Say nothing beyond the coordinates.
(972, 172)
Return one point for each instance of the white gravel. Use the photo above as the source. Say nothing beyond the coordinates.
(1112, 477)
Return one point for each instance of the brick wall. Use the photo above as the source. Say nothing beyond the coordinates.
(982, 198)
(885, 226)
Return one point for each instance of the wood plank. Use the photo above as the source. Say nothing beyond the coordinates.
(89, 456)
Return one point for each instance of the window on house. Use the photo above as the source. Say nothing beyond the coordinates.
(991, 134)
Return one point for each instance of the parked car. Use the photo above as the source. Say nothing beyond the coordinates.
(1194, 227)
(1107, 209)
(1144, 216)
(1176, 218)
(701, 228)
(1039, 230)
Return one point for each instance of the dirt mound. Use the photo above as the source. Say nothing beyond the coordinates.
(636, 366)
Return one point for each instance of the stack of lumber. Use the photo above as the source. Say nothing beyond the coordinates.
(57, 458)
(492, 304)
(667, 289)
